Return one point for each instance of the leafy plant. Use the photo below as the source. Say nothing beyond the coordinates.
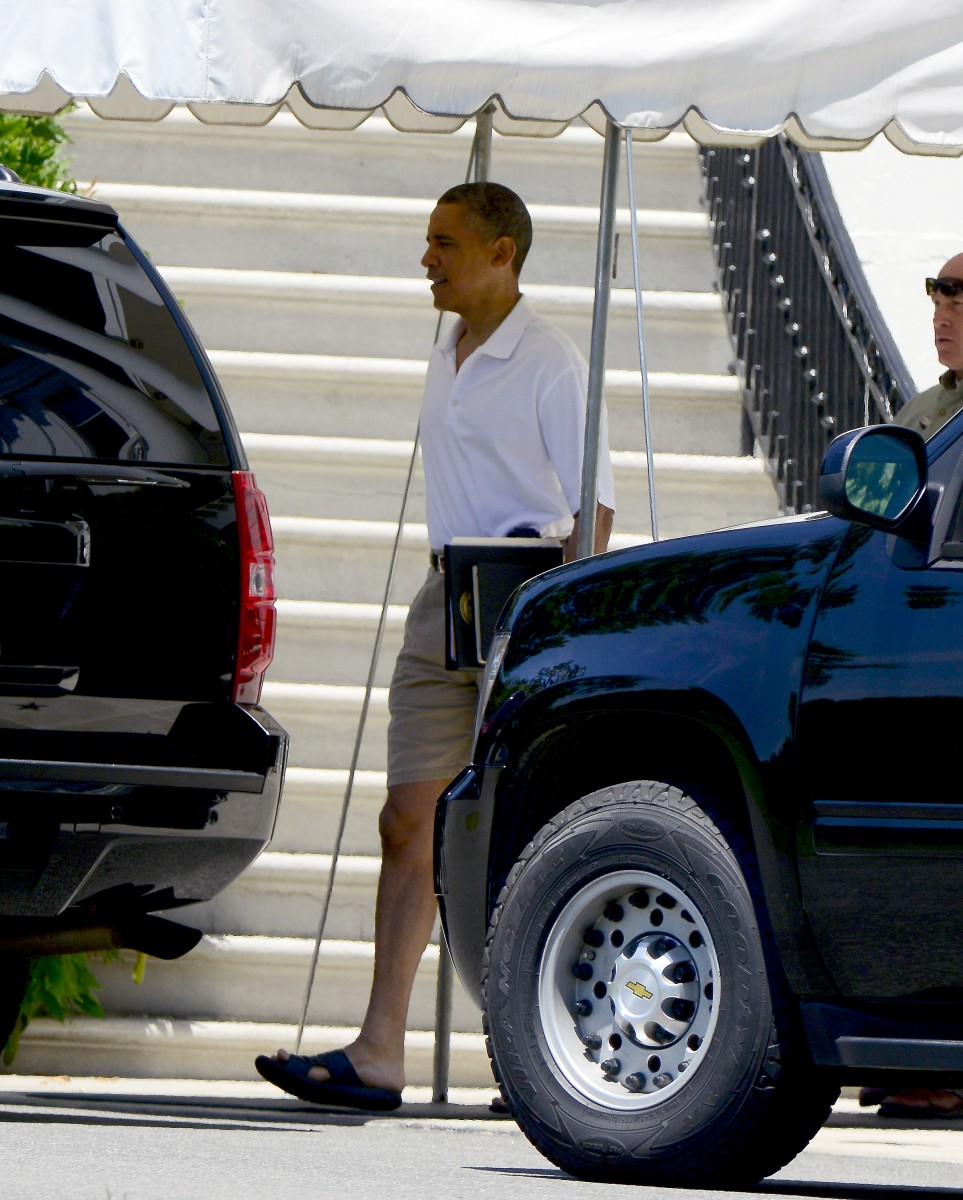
(59, 986)
(31, 146)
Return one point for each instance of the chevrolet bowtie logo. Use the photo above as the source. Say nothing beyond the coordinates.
(639, 990)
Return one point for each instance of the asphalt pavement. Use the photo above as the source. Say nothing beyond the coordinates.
(164, 1139)
(259, 1098)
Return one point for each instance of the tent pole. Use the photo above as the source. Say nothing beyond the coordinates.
(483, 144)
(637, 277)
(444, 986)
(600, 318)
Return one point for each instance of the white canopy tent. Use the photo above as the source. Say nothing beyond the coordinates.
(727, 71)
(832, 76)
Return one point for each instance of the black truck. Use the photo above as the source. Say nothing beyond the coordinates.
(138, 772)
(704, 867)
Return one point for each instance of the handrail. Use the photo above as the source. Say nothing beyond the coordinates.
(812, 349)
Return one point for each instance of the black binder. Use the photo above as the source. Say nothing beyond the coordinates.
(480, 576)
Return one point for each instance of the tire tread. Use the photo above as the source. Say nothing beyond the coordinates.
(787, 1103)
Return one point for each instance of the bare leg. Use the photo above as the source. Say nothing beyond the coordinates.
(404, 917)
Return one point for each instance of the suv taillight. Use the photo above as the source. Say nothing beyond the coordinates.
(255, 644)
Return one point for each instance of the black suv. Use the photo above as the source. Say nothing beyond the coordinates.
(705, 865)
(137, 770)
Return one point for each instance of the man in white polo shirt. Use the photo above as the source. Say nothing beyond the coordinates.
(502, 430)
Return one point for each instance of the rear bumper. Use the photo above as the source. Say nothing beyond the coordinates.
(174, 824)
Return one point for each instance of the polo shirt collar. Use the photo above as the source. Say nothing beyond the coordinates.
(949, 381)
(506, 337)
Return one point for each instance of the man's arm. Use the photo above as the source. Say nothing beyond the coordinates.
(603, 529)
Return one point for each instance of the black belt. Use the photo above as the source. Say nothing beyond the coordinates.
(437, 562)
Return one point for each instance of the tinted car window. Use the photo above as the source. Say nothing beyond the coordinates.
(93, 365)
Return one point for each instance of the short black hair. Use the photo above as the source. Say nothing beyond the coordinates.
(498, 211)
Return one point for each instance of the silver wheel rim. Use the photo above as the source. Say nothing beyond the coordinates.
(628, 990)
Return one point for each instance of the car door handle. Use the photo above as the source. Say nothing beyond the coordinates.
(58, 543)
(19, 679)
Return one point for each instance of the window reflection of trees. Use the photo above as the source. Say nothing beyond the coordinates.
(93, 365)
(774, 584)
(839, 593)
(930, 597)
(825, 659)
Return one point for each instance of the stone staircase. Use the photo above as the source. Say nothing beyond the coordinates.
(295, 255)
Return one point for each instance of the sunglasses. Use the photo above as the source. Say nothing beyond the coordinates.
(948, 287)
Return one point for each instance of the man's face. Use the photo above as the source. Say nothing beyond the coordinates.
(459, 261)
(948, 320)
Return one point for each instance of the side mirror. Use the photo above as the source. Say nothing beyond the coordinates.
(875, 476)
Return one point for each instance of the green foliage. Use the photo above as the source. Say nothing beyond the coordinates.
(59, 986)
(30, 146)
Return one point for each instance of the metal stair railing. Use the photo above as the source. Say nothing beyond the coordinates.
(811, 347)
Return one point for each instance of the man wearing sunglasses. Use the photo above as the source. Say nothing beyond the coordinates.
(926, 413)
(930, 410)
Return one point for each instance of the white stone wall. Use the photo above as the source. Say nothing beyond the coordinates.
(905, 216)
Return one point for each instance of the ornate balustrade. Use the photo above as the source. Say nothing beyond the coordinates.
(811, 346)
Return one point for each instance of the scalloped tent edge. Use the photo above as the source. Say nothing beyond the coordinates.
(125, 103)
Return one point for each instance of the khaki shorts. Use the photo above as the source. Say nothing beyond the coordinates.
(431, 709)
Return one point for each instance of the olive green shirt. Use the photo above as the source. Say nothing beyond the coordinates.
(930, 410)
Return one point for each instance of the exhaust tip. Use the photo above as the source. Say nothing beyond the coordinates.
(156, 936)
(159, 937)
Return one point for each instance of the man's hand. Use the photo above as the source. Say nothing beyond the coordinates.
(603, 530)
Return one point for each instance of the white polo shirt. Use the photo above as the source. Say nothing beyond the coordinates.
(502, 438)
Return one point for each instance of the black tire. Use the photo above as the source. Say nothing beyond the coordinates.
(13, 984)
(636, 1028)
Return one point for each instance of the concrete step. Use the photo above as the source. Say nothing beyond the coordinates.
(364, 480)
(323, 721)
(294, 312)
(335, 642)
(374, 159)
(156, 1047)
(360, 479)
(255, 978)
(283, 895)
(313, 805)
(292, 231)
(340, 396)
(693, 492)
(347, 561)
(325, 395)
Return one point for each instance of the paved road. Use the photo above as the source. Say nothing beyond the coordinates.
(127, 1140)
